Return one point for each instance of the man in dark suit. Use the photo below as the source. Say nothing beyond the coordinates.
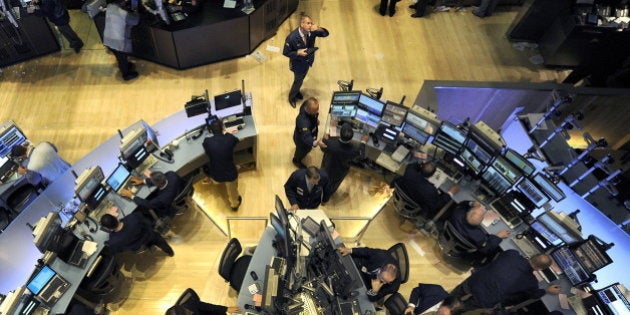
(307, 188)
(509, 279)
(466, 219)
(416, 185)
(168, 184)
(298, 46)
(427, 298)
(221, 168)
(306, 129)
(55, 11)
(378, 268)
(132, 232)
(338, 153)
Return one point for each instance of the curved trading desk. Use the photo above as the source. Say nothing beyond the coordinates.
(17, 261)
(213, 34)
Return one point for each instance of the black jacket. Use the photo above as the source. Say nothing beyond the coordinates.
(55, 11)
(297, 191)
(136, 231)
(306, 129)
(485, 243)
(220, 152)
(416, 186)
(369, 261)
(294, 42)
(425, 296)
(162, 199)
(337, 156)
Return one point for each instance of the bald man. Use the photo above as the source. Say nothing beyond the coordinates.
(467, 218)
(509, 280)
(306, 130)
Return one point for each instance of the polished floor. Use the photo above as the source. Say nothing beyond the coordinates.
(78, 100)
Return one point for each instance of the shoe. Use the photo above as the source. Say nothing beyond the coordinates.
(299, 96)
(298, 164)
(413, 6)
(293, 103)
(130, 76)
(131, 66)
(240, 201)
(416, 15)
(441, 8)
(168, 250)
(77, 48)
(391, 13)
(479, 14)
(382, 12)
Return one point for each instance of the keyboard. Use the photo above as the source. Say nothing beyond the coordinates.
(387, 162)
(349, 308)
(77, 258)
(235, 122)
(525, 246)
(146, 164)
(351, 268)
(54, 290)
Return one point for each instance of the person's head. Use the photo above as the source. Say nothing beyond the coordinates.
(312, 175)
(475, 214)
(388, 273)
(158, 179)
(109, 221)
(178, 310)
(18, 151)
(305, 23)
(540, 261)
(427, 169)
(346, 133)
(311, 106)
(449, 306)
(216, 127)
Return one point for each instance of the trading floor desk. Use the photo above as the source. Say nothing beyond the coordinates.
(265, 251)
(17, 262)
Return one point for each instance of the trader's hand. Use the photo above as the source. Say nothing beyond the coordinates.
(136, 180)
(454, 189)
(126, 193)
(345, 251)
(321, 144)
(147, 173)
(409, 310)
(233, 309)
(21, 170)
(295, 207)
(554, 289)
(302, 52)
(314, 27)
(365, 138)
(376, 285)
(503, 234)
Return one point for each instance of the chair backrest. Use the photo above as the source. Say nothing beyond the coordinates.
(396, 304)
(399, 251)
(231, 251)
(188, 295)
(180, 199)
(97, 281)
(404, 205)
(239, 271)
(454, 244)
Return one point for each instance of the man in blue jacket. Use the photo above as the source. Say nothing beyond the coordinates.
(428, 298)
(306, 129)
(378, 268)
(299, 46)
(55, 11)
(221, 167)
(307, 188)
(466, 219)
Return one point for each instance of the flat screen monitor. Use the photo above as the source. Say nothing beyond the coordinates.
(519, 161)
(412, 132)
(118, 177)
(548, 235)
(10, 137)
(40, 280)
(137, 157)
(277, 225)
(616, 298)
(557, 228)
(343, 111)
(548, 187)
(281, 211)
(532, 192)
(132, 141)
(509, 171)
(87, 182)
(482, 150)
(449, 138)
(570, 265)
(271, 289)
(394, 114)
(346, 98)
(371, 105)
(367, 118)
(472, 161)
(495, 180)
(227, 104)
(7, 166)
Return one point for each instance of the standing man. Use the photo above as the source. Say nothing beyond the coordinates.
(431, 299)
(55, 11)
(378, 268)
(221, 168)
(40, 163)
(466, 219)
(299, 46)
(509, 279)
(338, 152)
(382, 9)
(307, 188)
(168, 184)
(117, 35)
(306, 129)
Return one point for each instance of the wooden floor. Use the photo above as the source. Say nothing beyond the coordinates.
(78, 101)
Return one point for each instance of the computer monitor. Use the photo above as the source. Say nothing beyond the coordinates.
(132, 141)
(495, 180)
(10, 136)
(505, 168)
(118, 177)
(197, 105)
(570, 265)
(532, 192)
(281, 211)
(388, 135)
(227, 104)
(472, 161)
(87, 182)
(41, 278)
(282, 238)
(11, 303)
(519, 161)
(137, 157)
(557, 229)
(367, 118)
(394, 114)
(548, 187)
(371, 105)
(97, 196)
(418, 127)
(616, 298)
(343, 111)
(481, 148)
(345, 98)
(7, 168)
(47, 232)
(544, 236)
(449, 138)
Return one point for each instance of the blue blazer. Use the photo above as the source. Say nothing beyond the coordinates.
(297, 190)
(220, 152)
(425, 296)
(294, 41)
(161, 199)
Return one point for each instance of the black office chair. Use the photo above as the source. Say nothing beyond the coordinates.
(102, 284)
(396, 304)
(188, 296)
(399, 251)
(184, 200)
(21, 198)
(433, 226)
(232, 269)
(406, 207)
(456, 250)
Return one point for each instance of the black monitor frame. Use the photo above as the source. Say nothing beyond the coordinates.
(132, 161)
(445, 141)
(376, 111)
(390, 119)
(519, 161)
(6, 145)
(548, 187)
(345, 98)
(509, 171)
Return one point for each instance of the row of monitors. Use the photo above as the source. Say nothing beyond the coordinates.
(500, 169)
(224, 105)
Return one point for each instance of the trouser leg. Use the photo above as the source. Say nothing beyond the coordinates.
(232, 191)
(123, 62)
(383, 7)
(301, 152)
(70, 35)
(298, 79)
(392, 7)
(161, 243)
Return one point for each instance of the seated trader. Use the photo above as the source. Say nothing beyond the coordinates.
(431, 299)
(307, 188)
(338, 153)
(131, 232)
(378, 268)
(40, 163)
(415, 184)
(168, 184)
(467, 218)
(508, 280)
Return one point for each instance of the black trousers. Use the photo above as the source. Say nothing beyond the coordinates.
(383, 7)
(298, 79)
(462, 292)
(300, 152)
(123, 62)
(160, 242)
(335, 181)
(70, 35)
